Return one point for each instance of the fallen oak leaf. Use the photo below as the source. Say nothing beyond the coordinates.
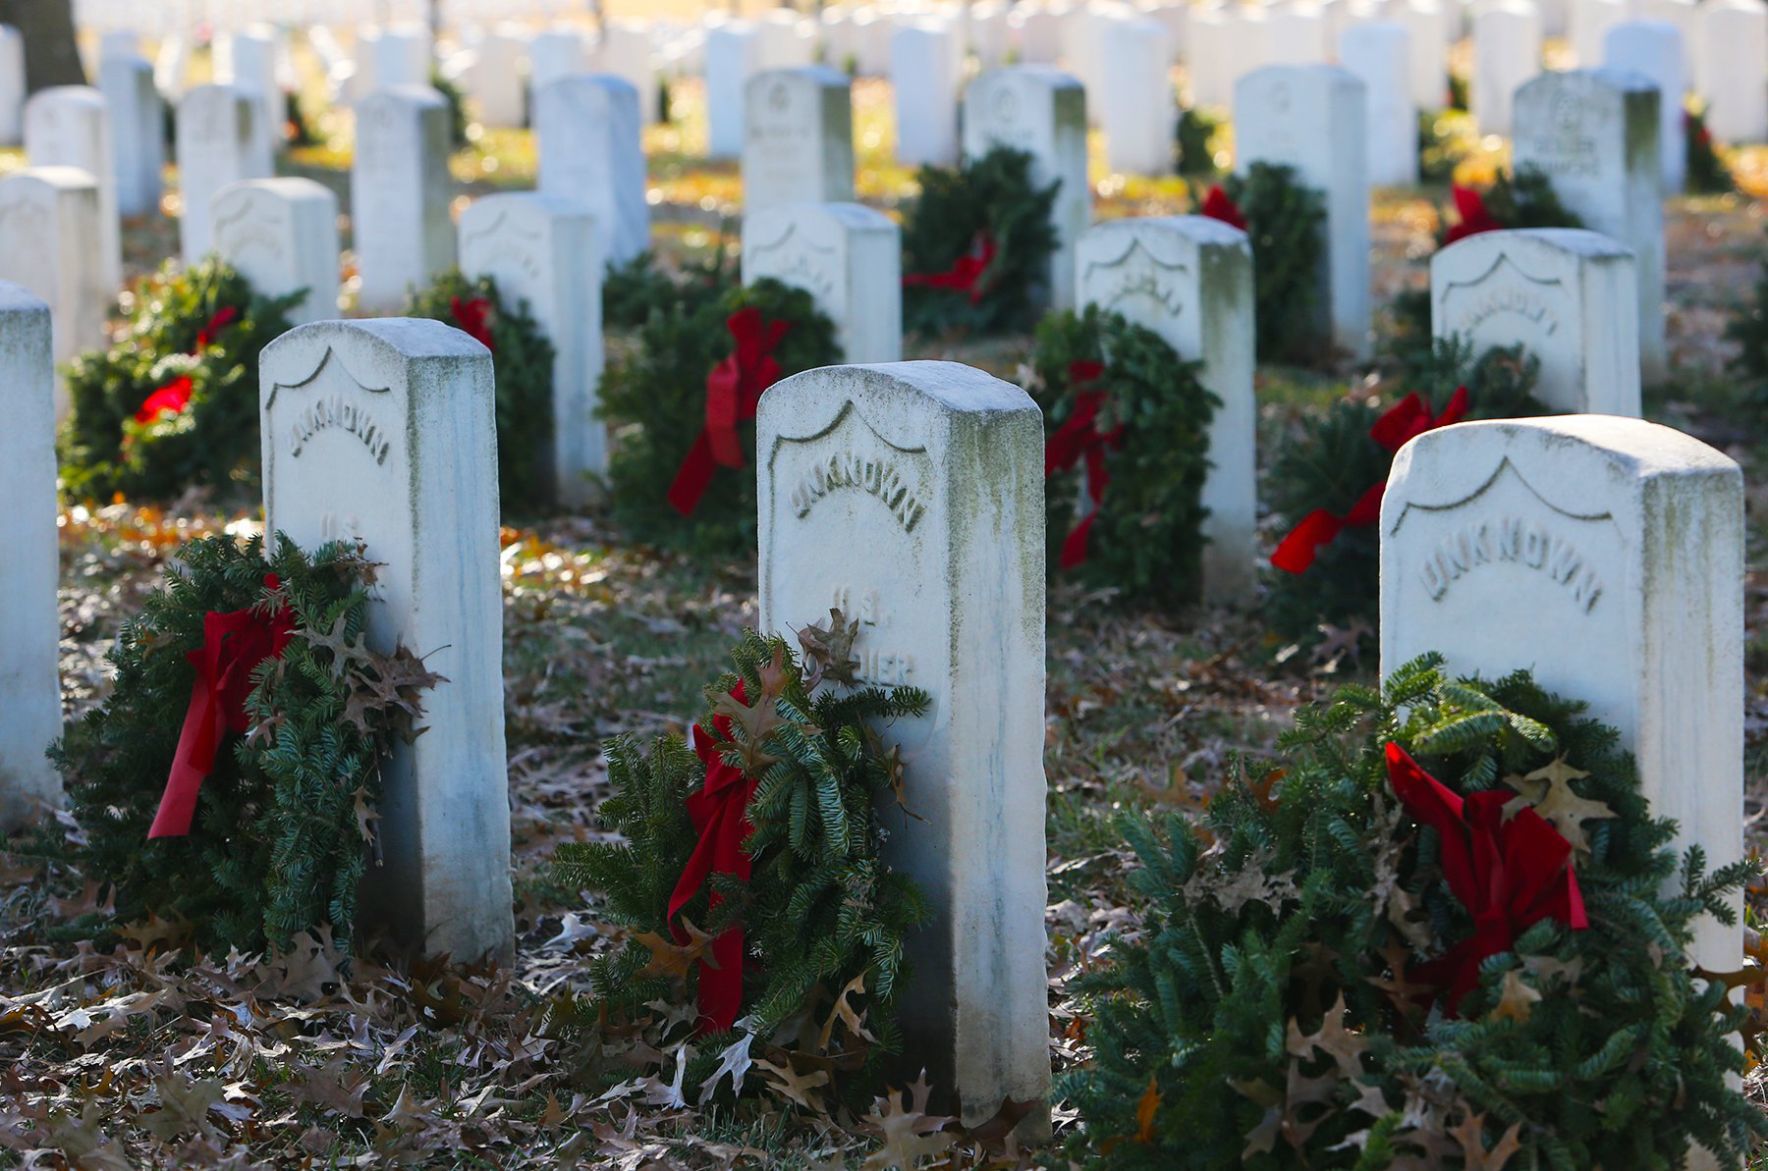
(793, 1085)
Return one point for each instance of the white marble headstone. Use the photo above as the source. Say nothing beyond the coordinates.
(214, 148)
(555, 53)
(138, 133)
(797, 138)
(626, 52)
(385, 432)
(1730, 62)
(1595, 134)
(399, 191)
(733, 55)
(541, 250)
(845, 255)
(250, 67)
(1605, 555)
(1189, 279)
(1136, 103)
(1506, 53)
(1043, 111)
(924, 85)
(1427, 47)
(1377, 53)
(68, 126)
(587, 128)
(1311, 118)
(1565, 294)
(1654, 48)
(12, 86)
(282, 236)
(48, 220)
(30, 624)
(495, 79)
(910, 495)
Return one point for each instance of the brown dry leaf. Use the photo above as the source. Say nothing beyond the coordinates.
(1474, 1155)
(1344, 1047)
(843, 1012)
(1147, 1110)
(909, 1135)
(1517, 1000)
(669, 958)
(793, 1085)
(828, 651)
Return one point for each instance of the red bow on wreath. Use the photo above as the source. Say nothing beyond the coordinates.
(234, 643)
(1217, 206)
(473, 316)
(1509, 872)
(733, 390)
(218, 321)
(174, 397)
(965, 274)
(1398, 425)
(720, 812)
(1475, 217)
(1080, 436)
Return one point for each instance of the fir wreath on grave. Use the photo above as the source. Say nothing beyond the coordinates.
(1705, 172)
(1445, 931)
(764, 932)
(173, 404)
(1748, 332)
(977, 245)
(230, 784)
(1130, 418)
(1282, 218)
(1328, 476)
(522, 361)
(680, 405)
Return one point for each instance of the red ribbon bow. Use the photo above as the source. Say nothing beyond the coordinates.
(720, 812)
(1475, 217)
(170, 399)
(965, 274)
(1080, 436)
(1217, 206)
(1398, 425)
(474, 318)
(733, 390)
(1510, 873)
(218, 321)
(234, 643)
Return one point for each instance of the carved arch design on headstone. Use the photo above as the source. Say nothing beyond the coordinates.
(1505, 261)
(818, 276)
(1156, 278)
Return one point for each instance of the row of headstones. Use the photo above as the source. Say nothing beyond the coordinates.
(1604, 553)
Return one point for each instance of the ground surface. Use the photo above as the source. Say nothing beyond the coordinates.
(148, 1054)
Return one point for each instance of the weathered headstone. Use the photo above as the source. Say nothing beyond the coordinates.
(12, 86)
(1295, 34)
(385, 432)
(1595, 134)
(1506, 53)
(1189, 279)
(138, 132)
(1311, 118)
(48, 221)
(555, 53)
(30, 624)
(1604, 554)
(847, 256)
(250, 68)
(399, 187)
(214, 148)
(733, 55)
(541, 250)
(1565, 294)
(786, 40)
(626, 52)
(495, 79)
(923, 81)
(402, 56)
(282, 236)
(1589, 22)
(1427, 48)
(587, 128)
(797, 138)
(1653, 48)
(68, 126)
(910, 495)
(1042, 111)
(1376, 52)
(1211, 32)
(1730, 52)
(1136, 104)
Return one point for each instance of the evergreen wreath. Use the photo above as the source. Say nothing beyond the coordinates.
(173, 404)
(1285, 222)
(1748, 331)
(1705, 171)
(283, 822)
(1524, 199)
(976, 246)
(655, 401)
(1310, 987)
(640, 287)
(522, 359)
(1193, 137)
(1121, 405)
(1336, 464)
(749, 879)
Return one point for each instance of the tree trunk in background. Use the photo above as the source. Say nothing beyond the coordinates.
(51, 57)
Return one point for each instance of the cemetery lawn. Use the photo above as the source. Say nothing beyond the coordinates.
(132, 1049)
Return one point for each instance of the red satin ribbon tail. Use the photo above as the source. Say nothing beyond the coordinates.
(1074, 546)
(1367, 509)
(197, 743)
(693, 477)
(1296, 552)
(721, 988)
(724, 412)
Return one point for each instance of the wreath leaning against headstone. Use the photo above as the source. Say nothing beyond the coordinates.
(1444, 930)
(231, 782)
(1126, 455)
(1283, 220)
